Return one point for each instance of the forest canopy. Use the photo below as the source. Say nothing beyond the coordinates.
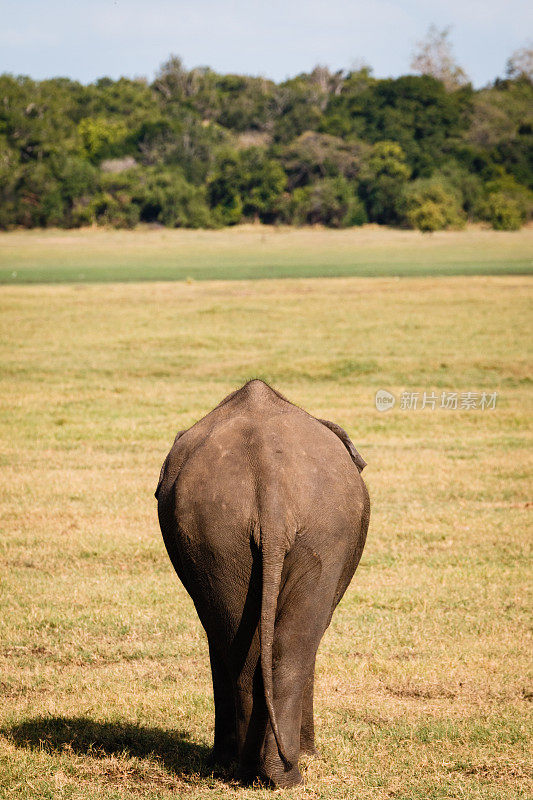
(197, 149)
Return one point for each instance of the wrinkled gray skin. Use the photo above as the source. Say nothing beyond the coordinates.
(264, 515)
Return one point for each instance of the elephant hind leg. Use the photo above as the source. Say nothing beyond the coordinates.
(307, 728)
(303, 613)
(293, 701)
(288, 703)
(225, 746)
(258, 750)
(251, 725)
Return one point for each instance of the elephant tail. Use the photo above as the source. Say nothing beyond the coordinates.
(272, 566)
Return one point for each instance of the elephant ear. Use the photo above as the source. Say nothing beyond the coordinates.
(357, 459)
(162, 473)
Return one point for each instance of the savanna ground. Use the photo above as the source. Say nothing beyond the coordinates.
(423, 679)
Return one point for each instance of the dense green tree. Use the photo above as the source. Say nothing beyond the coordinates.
(40, 201)
(103, 138)
(297, 106)
(130, 100)
(501, 127)
(35, 116)
(466, 186)
(262, 182)
(197, 148)
(246, 183)
(185, 142)
(313, 156)
(224, 189)
(416, 112)
(166, 197)
(244, 102)
(383, 179)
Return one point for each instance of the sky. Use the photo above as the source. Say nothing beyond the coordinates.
(88, 39)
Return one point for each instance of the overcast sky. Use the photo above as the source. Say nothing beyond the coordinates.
(87, 39)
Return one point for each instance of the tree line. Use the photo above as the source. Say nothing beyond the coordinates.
(194, 148)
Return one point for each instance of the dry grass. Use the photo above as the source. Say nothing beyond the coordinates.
(423, 682)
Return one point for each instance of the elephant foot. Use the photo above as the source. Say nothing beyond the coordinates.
(223, 756)
(307, 743)
(284, 780)
(247, 777)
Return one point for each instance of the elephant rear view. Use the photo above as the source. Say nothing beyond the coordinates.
(264, 516)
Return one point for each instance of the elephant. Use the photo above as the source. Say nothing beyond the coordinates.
(264, 515)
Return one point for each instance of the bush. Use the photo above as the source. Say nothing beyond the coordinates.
(166, 197)
(229, 212)
(82, 213)
(329, 202)
(503, 212)
(10, 173)
(38, 199)
(117, 211)
(507, 204)
(185, 208)
(430, 204)
(465, 185)
(428, 216)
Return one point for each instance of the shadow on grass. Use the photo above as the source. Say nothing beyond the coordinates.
(173, 749)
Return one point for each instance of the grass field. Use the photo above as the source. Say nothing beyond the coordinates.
(424, 677)
(259, 251)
